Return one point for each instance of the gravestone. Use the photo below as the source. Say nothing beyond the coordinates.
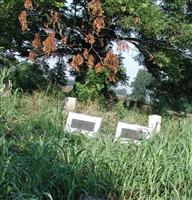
(86, 124)
(155, 122)
(131, 132)
(70, 103)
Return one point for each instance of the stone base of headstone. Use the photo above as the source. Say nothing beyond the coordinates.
(70, 103)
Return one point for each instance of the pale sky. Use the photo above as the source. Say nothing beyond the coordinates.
(130, 64)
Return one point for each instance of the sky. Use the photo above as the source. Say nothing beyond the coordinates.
(130, 64)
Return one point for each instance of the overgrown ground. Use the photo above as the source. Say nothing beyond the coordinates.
(39, 160)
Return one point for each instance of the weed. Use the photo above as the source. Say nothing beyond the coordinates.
(39, 160)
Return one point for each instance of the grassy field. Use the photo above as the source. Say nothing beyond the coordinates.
(39, 160)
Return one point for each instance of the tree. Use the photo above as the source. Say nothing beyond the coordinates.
(80, 32)
(140, 86)
(162, 32)
(16, 44)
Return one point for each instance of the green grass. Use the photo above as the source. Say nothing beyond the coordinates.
(39, 160)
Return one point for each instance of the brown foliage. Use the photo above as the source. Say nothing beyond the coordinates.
(90, 39)
(37, 41)
(23, 20)
(28, 4)
(99, 24)
(55, 19)
(77, 62)
(111, 61)
(63, 40)
(86, 53)
(113, 77)
(95, 8)
(96, 11)
(49, 44)
(32, 56)
(90, 61)
(99, 67)
(122, 46)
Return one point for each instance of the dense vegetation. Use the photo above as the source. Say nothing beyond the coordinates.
(84, 32)
(161, 30)
(141, 86)
(39, 160)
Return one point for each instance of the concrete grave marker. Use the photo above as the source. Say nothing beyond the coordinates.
(131, 132)
(70, 103)
(155, 122)
(86, 124)
(134, 132)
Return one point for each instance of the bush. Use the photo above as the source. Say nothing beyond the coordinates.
(23, 75)
(120, 109)
(96, 87)
(28, 77)
(5, 83)
(39, 160)
(140, 86)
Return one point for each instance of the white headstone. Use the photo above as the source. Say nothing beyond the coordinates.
(131, 132)
(86, 124)
(155, 122)
(70, 103)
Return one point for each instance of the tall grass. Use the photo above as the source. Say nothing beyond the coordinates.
(39, 160)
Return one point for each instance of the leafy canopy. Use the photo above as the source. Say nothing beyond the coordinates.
(162, 31)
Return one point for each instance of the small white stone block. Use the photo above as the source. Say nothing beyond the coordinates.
(155, 123)
(86, 124)
(70, 103)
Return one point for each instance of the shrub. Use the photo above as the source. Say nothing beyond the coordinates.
(120, 109)
(28, 77)
(140, 86)
(95, 87)
(5, 83)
